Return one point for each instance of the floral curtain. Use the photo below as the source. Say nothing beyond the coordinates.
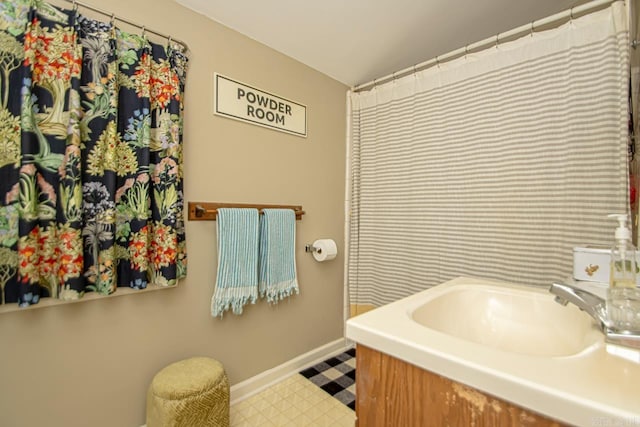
(91, 170)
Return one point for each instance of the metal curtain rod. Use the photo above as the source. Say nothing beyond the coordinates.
(490, 41)
(126, 21)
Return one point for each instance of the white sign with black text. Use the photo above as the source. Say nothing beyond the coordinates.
(240, 101)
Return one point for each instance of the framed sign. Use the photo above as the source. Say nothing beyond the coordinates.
(239, 101)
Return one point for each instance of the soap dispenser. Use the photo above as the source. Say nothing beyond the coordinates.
(623, 297)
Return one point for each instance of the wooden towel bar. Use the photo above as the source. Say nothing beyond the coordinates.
(208, 211)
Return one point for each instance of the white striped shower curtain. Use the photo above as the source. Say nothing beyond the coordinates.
(491, 165)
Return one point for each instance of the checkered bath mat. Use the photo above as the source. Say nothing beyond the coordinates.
(336, 376)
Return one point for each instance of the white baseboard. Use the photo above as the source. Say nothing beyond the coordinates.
(257, 383)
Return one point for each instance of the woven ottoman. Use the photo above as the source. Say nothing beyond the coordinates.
(189, 393)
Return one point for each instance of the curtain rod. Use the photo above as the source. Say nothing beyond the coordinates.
(493, 40)
(114, 17)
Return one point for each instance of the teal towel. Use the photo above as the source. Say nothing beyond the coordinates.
(277, 263)
(237, 279)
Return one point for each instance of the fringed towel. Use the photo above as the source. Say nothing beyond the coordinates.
(237, 279)
(277, 264)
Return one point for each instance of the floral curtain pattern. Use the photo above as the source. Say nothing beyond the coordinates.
(90, 156)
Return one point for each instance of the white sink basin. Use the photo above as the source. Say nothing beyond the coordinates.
(512, 342)
(525, 321)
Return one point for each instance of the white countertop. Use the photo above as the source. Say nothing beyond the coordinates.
(593, 387)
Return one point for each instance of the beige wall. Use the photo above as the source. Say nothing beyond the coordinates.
(90, 363)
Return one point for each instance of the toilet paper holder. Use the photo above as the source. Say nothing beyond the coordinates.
(312, 249)
(322, 249)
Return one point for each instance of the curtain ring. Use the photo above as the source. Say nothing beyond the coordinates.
(437, 61)
(571, 15)
(113, 19)
(466, 50)
(532, 29)
(144, 32)
(497, 40)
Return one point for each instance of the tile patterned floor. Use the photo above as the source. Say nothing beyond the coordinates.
(336, 376)
(293, 402)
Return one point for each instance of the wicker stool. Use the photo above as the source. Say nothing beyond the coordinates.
(188, 393)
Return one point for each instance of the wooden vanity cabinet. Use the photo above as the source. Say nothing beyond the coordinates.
(393, 393)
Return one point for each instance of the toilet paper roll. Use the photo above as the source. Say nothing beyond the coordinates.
(326, 250)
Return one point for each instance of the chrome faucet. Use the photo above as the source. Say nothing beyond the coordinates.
(591, 304)
(595, 307)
